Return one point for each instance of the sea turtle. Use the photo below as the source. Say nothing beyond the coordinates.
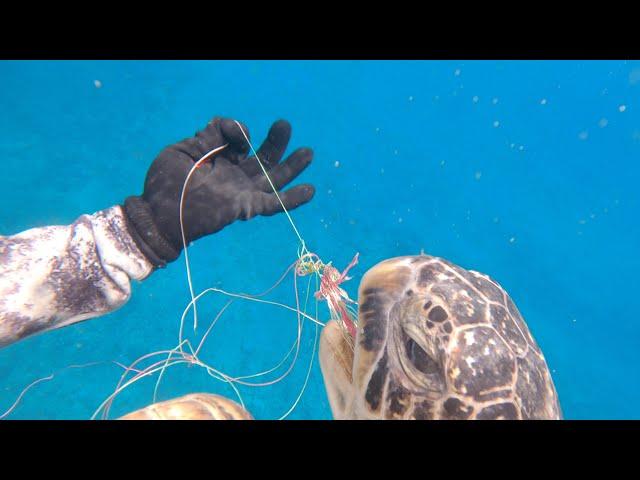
(195, 406)
(435, 341)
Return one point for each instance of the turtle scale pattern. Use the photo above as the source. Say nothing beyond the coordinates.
(478, 361)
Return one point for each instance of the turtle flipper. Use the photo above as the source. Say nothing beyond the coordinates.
(196, 406)
(336, 363)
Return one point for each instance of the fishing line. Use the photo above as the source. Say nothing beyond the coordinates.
(307, 264)
(184, 238)
(275, 190)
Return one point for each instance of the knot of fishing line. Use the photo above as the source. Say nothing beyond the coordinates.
(308, 264)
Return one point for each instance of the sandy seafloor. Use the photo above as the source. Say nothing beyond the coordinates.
(526, 171)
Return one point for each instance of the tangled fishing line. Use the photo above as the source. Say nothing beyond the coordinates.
(327, 280)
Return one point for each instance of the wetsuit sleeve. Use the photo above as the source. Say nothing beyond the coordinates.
(54, 276)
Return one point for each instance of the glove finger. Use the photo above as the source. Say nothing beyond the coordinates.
(235, 137)
(202, 142)
(271, 150)
(283, 173)
(218, 131)
(268, 204)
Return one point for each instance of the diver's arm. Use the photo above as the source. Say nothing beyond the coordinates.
(55, 276)
(58, 275)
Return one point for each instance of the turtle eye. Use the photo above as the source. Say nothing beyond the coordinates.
(420, 359)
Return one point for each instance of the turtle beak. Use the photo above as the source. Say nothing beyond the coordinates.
(336, 363)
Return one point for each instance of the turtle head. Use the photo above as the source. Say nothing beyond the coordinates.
(395, 366)
(435, 341)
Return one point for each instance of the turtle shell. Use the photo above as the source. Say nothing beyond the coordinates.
(195, 406)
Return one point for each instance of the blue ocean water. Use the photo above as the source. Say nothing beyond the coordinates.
(524, 170)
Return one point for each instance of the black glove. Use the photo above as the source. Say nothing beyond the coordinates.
(227, 187)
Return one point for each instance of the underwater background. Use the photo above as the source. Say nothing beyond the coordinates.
(524, 170)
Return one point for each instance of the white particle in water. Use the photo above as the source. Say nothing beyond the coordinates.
(521, 148)
(457, 72)
(603, 122)
(543, 101)
(512, 239)
(513, 145)
(400, 220)
(478, 175)
(377, 129)
(583, 135)
(337, 164)
(622, 108)
(329, 191)
(496, 124)
(442, 163)
(494, 101)
(411, 99)
(97, 83)
(475, 99)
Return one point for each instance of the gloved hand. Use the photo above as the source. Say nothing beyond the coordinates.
(227, 187)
